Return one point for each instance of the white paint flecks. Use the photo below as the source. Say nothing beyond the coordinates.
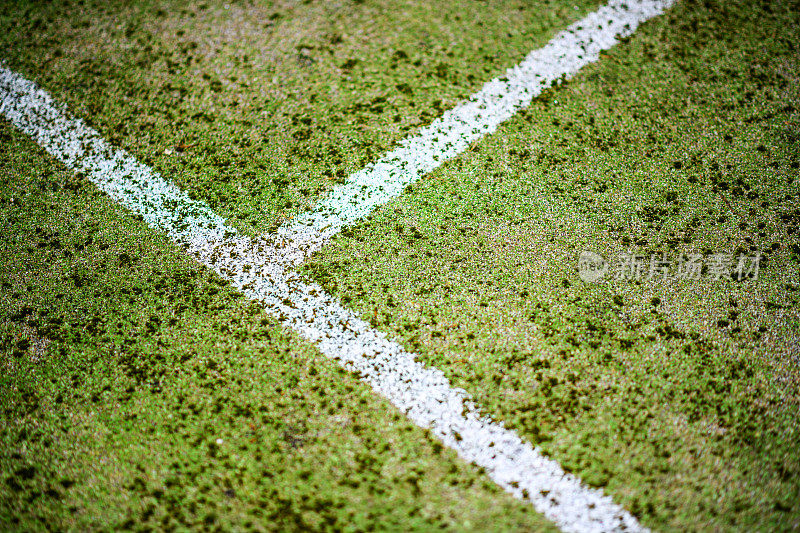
(448, 136)
(256, 266)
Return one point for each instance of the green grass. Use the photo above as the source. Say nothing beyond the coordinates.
(266, 106)
(124, 361)
(679, 398)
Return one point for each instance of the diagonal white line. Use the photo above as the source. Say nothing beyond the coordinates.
(423, 393)
(448, 136)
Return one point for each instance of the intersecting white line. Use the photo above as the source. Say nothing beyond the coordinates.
(257, 267)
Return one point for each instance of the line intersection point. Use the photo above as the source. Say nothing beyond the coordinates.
(259, 267)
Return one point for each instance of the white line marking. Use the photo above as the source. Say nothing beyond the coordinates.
(448, 136)
(115, 172)
(423, 393)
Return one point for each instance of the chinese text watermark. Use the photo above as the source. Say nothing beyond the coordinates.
(593, 267)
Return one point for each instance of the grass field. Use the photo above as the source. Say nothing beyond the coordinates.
(141, 391)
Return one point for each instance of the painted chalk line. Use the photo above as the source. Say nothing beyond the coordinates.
(424, 394)
(448, 136)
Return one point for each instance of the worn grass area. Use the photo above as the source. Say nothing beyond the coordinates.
(123, 362)
(257, 108)
(680, 398)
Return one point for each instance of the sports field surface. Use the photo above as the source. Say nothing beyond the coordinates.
(400, 266)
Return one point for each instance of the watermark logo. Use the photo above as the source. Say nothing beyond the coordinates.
(593, 267)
